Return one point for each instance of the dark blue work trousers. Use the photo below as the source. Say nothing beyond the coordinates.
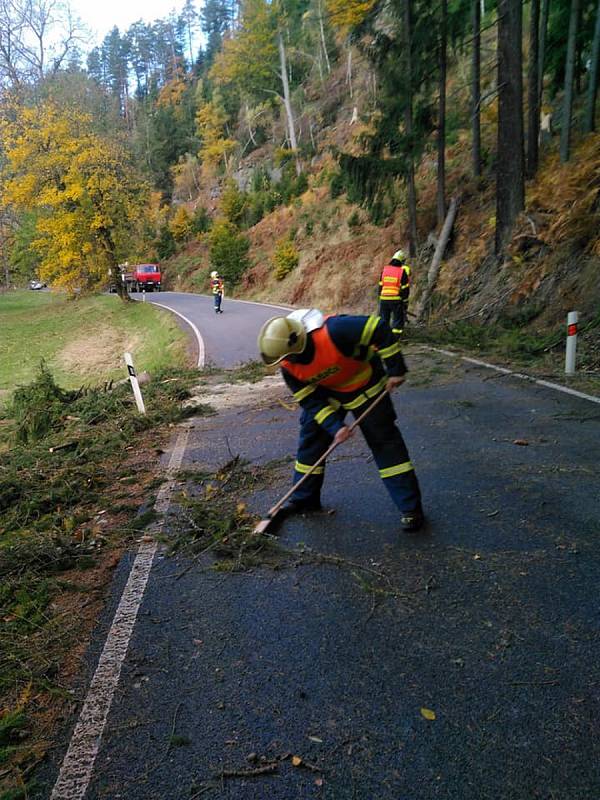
(387, 445)
(392, 312)
(217, 297)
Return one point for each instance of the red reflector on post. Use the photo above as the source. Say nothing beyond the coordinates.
(571, 330)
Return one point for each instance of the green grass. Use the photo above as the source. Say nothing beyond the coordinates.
(521, 346)
(82, 341)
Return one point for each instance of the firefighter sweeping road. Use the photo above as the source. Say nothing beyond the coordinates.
(458, 663)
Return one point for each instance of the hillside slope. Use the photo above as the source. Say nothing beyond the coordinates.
(551, 266)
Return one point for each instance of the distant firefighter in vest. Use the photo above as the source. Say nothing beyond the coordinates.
(334, 365)
(394, 289)
(216, 284)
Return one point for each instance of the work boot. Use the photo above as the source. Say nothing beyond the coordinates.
(412, 521)
(300, 507)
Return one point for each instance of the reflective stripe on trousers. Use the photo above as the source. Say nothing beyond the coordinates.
(389, 451)
(392, 312)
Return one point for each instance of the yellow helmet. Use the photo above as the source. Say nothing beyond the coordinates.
(280, 337)
(399, 255)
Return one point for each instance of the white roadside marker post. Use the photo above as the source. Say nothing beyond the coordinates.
(143, 295)
(137, 392)
(572, 318)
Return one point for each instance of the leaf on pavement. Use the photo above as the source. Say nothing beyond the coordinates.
(428, 713)
(296, 761)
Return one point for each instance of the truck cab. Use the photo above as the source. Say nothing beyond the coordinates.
(147, 276)
(141, 277)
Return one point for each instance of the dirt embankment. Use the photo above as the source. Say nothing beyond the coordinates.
(549, 268)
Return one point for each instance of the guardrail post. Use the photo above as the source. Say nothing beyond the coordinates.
(137, 392)
(571, 350)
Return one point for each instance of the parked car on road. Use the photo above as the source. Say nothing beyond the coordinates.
(36, 285)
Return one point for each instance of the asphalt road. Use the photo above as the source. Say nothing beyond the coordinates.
(229, 338)
(490, 619)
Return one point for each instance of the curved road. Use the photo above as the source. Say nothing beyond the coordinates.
(229, 338)
(458, 664)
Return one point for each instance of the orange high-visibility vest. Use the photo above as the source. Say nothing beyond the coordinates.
(391, 278)
(330, 367)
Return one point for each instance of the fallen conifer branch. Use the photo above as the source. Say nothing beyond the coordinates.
(253, 772)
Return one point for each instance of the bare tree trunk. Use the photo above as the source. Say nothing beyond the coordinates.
(349, 69)
(590, 108)
(408, 128)
(441, 137)
(533, 117)
(542, 50)
(323, 42)
(249, 123)
(510, 185)
(4, 254)
(565, 132)
(476, 87)
(436, 261)
(286, 92)
(577, 71)
(189, 31)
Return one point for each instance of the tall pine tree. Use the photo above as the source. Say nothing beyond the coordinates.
(510, 184)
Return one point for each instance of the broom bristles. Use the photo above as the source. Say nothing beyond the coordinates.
(262, 525)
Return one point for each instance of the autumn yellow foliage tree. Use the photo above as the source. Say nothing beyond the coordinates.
(233, 202)
(82, 187)
(172, 92)
(181, 225)
(211, 119)
(285, 258)
(347, 14)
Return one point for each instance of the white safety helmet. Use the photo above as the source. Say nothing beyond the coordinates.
(281, 336)
(311, 318)
(399, 255)
(214, 274)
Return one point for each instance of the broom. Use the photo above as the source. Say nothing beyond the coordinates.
(262, 526)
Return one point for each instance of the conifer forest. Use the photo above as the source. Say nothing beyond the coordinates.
(184, 140)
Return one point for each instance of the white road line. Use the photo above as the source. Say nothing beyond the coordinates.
(201, 349)
(256, 303)
(77, 767)
(548, 384)
(231, 300)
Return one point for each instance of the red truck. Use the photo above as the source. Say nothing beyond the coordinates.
(141, 277)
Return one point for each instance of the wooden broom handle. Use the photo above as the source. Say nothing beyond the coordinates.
(328, 452)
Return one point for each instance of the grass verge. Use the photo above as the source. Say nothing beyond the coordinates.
(507, 342)
(82, 340)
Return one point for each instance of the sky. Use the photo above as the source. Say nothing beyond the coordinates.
(100, 16)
